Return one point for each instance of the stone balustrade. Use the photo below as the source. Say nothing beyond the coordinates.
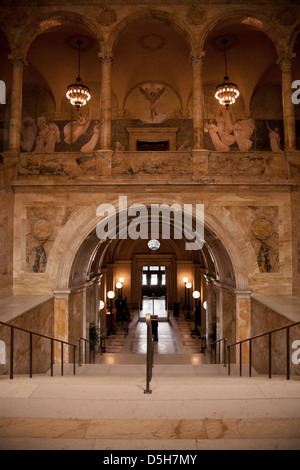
(197, 166)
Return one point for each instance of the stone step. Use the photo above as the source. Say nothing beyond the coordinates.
(159, 370)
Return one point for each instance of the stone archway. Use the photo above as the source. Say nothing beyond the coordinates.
(77, 243)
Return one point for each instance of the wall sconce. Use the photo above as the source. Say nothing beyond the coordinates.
(110, 296)
(119, 287)
(188, 286)
(196, 295)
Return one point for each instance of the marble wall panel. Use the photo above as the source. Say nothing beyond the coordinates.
(204, 165)
(76, 320)
(229, 317)
(264, 319)
(40, 319)
(254, 164)
(6, 233)
(295, 209)
(159, 164)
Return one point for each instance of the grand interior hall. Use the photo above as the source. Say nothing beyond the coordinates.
(150, 225)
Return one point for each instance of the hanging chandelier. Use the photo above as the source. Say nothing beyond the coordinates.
(226, 92)
(78, 93)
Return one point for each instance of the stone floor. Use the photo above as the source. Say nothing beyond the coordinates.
(193, 405)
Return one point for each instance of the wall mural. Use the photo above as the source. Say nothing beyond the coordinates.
(150, 104)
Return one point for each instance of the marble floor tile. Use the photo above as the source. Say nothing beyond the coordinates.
(186, 429)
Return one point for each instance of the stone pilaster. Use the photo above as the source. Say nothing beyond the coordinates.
(61, 322)
(197, 58)
(285, 62)
(15, 118)
(106, 65)
(243, 322)
(208, 299)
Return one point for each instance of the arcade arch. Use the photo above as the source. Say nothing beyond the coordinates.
(219, 270)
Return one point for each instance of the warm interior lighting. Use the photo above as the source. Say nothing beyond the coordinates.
(196, 294)
(188, 285)
(78, 93)
(110, 294)
(121, 279)
(101, 305)
(227, 92)
(119, 285)
(185, 280)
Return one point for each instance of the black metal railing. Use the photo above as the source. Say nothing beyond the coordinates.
(213, 351)
(150, 353)
(269, 334)
(85, 342)
(31, 334)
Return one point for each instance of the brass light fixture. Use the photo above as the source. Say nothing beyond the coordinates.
(78, 93)
(227, 92)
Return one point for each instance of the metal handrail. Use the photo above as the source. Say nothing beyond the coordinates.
(150, 353)
(79, 348)
(269, 333)
(218, 341)
(31, 333)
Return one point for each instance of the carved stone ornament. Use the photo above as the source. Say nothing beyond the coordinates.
(262, 228)
(196, 15)
(287, 16)
(107, 16)
(286, 59)
(42, 228)
(197, 57)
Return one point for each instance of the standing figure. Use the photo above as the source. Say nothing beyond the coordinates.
(52, 137)
(274, 139)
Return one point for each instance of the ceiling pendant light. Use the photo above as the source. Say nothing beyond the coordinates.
(78, 93)
(226, 92)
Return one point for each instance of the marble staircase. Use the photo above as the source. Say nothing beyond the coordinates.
(104, 407)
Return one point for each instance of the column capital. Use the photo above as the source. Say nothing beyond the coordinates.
(18, 61)
(286, 59)
(61, 294)
(106, 58)
(244, 294)
(197, 57)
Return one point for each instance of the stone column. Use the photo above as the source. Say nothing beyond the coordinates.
(285, 61)
(197, 58)
(15, 118)
(61, 323)
(243, 322)
(105, 100)
(220, 317)
(208, 299)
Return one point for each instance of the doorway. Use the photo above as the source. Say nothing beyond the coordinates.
(154, 281)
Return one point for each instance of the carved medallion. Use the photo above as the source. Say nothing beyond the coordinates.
(262, 228)
(152, 42)
(107, 16)
(196, 15)
(287, 16)
(17, 19)
(42, 228)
